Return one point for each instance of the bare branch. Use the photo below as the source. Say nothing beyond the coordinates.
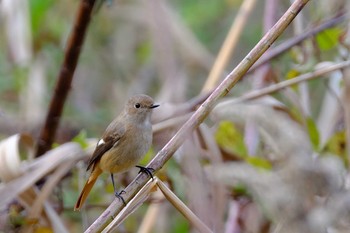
(65, 76)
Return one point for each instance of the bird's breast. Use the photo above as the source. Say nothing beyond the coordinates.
(128, 151)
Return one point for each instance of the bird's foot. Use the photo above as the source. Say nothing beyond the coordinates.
(146, 170)
(119, 196)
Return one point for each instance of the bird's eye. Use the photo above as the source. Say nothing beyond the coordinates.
(137, 105)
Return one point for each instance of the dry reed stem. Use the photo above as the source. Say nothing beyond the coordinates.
(284, 84)
(153, 211)
(144, 193)
(132, 205)
(229, 45)
(202, 112)
(182, 208)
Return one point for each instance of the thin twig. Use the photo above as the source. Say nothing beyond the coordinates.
(278, 50)
(65, 76)
(284, 84)
(202, 112)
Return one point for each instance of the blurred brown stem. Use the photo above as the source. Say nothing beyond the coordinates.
(65, 76)
(202, 112)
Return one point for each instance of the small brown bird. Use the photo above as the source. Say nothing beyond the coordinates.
(125, 141)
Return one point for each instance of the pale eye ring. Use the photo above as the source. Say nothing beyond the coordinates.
(137, 105)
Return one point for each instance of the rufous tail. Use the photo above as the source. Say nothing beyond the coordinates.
(87, 188)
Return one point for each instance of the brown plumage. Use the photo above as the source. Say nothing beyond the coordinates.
(125, 141)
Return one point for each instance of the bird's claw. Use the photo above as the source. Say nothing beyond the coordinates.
(119, 196)
(146, 170)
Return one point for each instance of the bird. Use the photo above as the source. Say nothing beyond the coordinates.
(125, 141)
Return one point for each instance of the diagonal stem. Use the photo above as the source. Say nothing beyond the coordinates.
(202, 112)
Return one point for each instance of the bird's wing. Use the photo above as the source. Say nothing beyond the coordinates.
(108, 140)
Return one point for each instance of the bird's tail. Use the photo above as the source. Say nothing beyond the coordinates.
(87, 188)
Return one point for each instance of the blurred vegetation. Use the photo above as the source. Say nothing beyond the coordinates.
(294, 139)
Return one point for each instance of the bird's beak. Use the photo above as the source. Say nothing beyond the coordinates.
(154, 106)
